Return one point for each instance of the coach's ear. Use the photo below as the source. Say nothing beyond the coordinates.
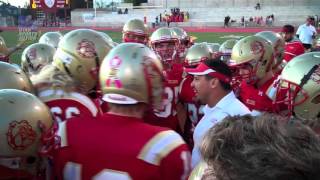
(214, 83)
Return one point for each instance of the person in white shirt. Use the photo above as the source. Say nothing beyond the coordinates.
(306, 33)
(212, 87)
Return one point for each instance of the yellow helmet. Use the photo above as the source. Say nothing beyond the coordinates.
(135, 30)
(162, 35)
(226, 49)
(197, 53)
(254, 54)
(184, 40)
(14, 78)
(214, 49)
(36, 56)
(51, 38)
(131, 73)
(277, 42)
(24, 120)
(80, 54)
(299, 86)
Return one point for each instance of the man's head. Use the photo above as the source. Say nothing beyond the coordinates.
(288, 32)
(264, 147)
(211, 80)
(310, 21)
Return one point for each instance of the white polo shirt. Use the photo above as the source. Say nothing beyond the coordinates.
(305, 33)
(227, 106)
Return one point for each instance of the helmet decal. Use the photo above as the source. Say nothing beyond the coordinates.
(112, 78)
(86, 49)
(20, 135)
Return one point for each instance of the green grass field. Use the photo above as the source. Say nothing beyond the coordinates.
(11, 38)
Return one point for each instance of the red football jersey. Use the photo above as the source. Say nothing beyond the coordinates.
(119, 147)
(193, 107)
(167, 115)
(293, 49)
(65, 105)
(256, 99)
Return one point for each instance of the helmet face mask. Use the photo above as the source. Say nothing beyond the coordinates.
(135, 37)
(167, 50)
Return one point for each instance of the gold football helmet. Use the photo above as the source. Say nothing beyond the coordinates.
(165, 44)
(35, 57)
(226, 49)
(135, 30)
(251, 58)
(13, 77)
(277, 42)
(214, 50)
(131, 73)
(299, 86)
(80, 54)
(197, 53)
(184, 40)
(51, 38)
(25, 121)
(108, 38)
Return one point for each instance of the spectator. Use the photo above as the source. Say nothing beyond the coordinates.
(306, 33)
(257, 7)
(242, 21)
(125, 11)
(157, 20)
(293, 45)
(119, 11)
(262, 148)
(160, 17)
(211, 83)
(226, 21)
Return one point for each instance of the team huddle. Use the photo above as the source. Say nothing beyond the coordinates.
(82, 106)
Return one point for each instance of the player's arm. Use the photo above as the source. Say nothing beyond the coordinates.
(182, 112)
(177, 164)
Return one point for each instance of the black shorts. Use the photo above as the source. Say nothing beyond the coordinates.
(307, 46)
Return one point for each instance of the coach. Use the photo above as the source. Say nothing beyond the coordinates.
(306, 33)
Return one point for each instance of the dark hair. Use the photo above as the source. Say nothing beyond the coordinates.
(222, 68)
(288, 28)
(265, 147)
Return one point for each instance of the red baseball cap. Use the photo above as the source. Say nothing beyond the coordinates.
(203, 69)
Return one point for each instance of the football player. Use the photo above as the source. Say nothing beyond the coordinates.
(135, 30)
(51, 39)
(278, 44)
(166, 45)
(25, 121)
(226, 49)
(184, 41)
(214, 50)
(298, 88)
(126, 147)
(196, 54)
(293, 46)
(252, 58)
(64, 86)
(35, 57)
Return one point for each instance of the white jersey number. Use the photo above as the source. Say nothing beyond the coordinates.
(171, 97)
(61, 115)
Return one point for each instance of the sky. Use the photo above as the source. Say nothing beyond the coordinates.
(17, 3)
